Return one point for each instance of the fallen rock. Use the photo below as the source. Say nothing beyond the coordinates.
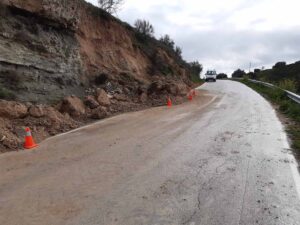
(91, 102)
(12, 110)
(36, 111)
(99, 113)
(121, 97)
(8, 139)
(54, 115)
(2, 138)
(73, 106)
(102, 97)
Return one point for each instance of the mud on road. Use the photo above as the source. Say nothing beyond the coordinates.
(221, 159)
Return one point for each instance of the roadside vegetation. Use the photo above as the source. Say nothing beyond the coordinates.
(222, 76)
(286, 106)
(281, 74)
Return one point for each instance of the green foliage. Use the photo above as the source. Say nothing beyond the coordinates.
(282, 75)
(256, 71)
(110, 6)
(167, 41)
(288, 84)
(195, 70)
(279, 65)
(222, 76)
(238, 73)
(159, 65)
(178, 51)
(196, 79)
(145, 28)
(295, 136)
(169, 45)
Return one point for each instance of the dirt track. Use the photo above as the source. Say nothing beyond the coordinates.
(222, 159)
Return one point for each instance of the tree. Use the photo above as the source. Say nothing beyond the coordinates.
(196, 68)
(252, 75)
(178, 51)
(279, 65)
(222, 76)
(238, 73)
(257, 71)
(144, 27)
(110, 6)
(167, 41)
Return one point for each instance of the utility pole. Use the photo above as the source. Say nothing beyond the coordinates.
(250, 67)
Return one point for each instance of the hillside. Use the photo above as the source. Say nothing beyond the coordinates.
(287, 76)
(64, 63)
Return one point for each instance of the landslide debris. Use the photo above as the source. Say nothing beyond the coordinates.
(67, 63)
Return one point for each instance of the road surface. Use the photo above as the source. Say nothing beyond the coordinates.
(222, 159)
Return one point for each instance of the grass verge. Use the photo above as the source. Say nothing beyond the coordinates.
(286, 106)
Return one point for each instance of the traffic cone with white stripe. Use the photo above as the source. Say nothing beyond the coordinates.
(190, 96)
(169, 102)
(29, 142)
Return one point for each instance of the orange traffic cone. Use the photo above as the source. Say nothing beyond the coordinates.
(29, 142)
(190, 96)
(169, 102)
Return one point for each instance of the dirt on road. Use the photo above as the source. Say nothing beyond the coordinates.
(220, 159)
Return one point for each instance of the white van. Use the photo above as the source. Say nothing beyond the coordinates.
(211, 75)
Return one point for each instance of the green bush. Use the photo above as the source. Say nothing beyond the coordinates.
(289, 85)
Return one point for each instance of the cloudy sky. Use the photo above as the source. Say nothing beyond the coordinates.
(225, 34)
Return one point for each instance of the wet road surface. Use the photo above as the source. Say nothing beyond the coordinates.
(222, 159)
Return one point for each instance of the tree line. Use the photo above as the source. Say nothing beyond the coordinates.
(281, 74)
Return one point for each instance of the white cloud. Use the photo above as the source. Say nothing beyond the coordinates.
(225, 34)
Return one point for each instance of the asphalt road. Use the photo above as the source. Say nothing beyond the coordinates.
(222, 159)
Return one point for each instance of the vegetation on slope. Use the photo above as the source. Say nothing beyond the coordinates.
(285, 76)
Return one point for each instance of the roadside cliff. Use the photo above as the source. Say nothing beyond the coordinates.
(82, 63)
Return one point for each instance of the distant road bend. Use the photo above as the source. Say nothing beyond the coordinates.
(222, 159)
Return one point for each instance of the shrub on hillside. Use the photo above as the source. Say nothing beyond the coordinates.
(288, 84)
(110, 6)
(167, 41)
(222, 76)
(144, 28)
(238, 73)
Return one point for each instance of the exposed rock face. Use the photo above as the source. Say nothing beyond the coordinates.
(40, 60)
(53, 48)
(50, 49)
